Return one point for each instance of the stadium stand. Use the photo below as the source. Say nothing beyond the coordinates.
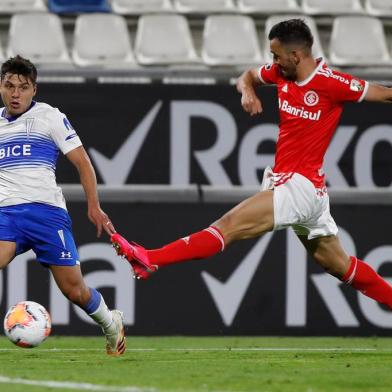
(332, 7)
(76, 6)
(12, 6)
(164, 39)
(158, 36)
(136, 7)
(38, 36)
(268, 7)
(379, 7)
(272, 20)
(348, 31)
(230, 40)
(204, 6)
(104, 47)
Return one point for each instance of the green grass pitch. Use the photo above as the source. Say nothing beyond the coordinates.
(185, 364)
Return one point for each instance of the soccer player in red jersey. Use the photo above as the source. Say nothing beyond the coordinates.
(311, 98)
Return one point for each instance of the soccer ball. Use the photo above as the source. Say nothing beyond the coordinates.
(27, 324)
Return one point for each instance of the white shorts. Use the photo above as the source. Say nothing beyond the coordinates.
(299, 204)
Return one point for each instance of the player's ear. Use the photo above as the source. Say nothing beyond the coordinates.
(35, 90)
(295, 56)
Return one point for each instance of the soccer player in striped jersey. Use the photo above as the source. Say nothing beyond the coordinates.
(33, 213)
(310, 98)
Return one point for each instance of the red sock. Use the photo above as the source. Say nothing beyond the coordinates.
(199, 245)
(363, 278)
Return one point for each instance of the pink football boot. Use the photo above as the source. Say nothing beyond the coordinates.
(135, 254)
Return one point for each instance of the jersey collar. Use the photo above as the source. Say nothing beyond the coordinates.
(311, 76)
(13, 118)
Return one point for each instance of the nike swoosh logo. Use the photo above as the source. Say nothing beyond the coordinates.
(71, 136)
(115, 170)
(229, 295)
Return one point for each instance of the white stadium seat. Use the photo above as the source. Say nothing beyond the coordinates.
(39, 37)
(230, 40)
(12, 6)
(379, 7)
(102, 40)
(136, 7)
(204, 6)
(268, 6)
(272, 20)
(357, 40)
(332, 7)
(164, 39)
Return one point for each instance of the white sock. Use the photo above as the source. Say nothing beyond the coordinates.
(103, 316)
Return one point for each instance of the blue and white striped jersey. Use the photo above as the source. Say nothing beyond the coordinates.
(29, 147)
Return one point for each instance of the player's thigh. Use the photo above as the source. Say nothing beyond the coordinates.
(69, 280)
(252, 217)
(7, 252)
(9, 236)
(329, 253)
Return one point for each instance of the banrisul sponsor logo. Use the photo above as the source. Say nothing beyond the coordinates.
(284, 106)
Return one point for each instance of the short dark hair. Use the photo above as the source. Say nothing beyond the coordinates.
(20, 66)
(292, 31)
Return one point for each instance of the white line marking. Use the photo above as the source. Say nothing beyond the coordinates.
(306, 349)
(271, 349)
(72, 385)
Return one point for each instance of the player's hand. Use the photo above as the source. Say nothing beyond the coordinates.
(101, 221)
(251, 103)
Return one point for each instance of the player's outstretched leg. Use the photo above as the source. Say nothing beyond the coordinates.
(251, 218)
(199, 245)
(70, 281)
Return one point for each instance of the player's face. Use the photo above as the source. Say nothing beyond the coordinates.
(285, 59)
(17, 92)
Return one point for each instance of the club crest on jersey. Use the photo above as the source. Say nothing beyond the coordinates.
(311, 98)
(356, 85)
(29, 122)
(285, 88)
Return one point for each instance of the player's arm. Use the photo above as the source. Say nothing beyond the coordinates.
(246, 85)
(81, 161)
(377, 93)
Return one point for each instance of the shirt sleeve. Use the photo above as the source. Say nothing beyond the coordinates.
(268, 74)
(346, 88)
(62, 132)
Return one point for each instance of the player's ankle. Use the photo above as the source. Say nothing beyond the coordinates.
(110, 329)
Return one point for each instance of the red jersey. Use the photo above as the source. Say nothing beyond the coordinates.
(309, 114)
